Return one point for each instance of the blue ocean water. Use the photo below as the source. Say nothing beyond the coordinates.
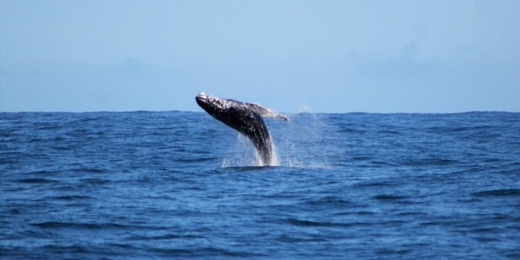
(182, 184)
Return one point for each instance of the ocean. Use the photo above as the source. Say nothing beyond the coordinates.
(133, 185)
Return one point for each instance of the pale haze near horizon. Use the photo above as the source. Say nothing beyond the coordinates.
(291, 56)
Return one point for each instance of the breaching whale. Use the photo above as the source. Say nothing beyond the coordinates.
(246, 118)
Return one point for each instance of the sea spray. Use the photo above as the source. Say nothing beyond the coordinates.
(299, 142)
(242, 153)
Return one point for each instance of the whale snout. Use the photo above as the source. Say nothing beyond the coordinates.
(201, 97)
(204, 101)
(201, 101)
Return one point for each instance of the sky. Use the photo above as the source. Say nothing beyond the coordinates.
(416, 56)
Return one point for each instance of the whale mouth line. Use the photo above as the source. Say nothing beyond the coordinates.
(246, 118)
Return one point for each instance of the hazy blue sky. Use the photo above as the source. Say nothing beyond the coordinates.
(329, 56)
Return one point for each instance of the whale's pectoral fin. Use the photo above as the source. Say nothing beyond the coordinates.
(279, 116)
(266, 112)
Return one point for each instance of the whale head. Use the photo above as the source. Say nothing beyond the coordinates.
(213, 105)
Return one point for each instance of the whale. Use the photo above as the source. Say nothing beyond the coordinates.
(246, 118)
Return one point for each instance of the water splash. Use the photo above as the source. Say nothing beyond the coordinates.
(300, 141)
(242, 153)
(275, 161)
